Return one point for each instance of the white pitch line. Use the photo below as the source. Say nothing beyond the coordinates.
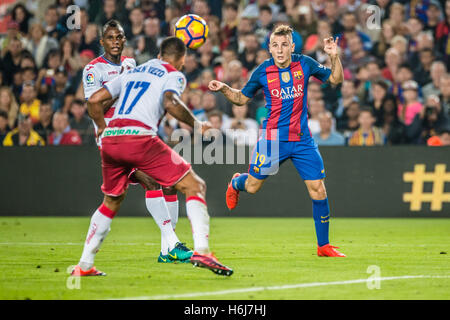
(283, 287)
(70, 244)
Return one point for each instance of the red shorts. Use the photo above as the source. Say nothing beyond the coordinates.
(122, 154)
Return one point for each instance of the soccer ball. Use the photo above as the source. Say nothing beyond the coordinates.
(192, 29)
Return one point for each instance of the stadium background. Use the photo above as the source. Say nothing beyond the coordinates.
(400, 57)
(385, 170)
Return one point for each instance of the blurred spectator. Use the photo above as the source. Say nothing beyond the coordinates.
(215, 117)
(229, 26)
(23, 135)
(242, 130)
(349, 23)
(22, 16)
(253, 9)
(388, 121)
(11, 60)
(108, 12)
(248, 56)
(191, 69)
(393, 60)
(4, 127)
(427, 121)
(11, 33)
(367, 134)
(136, 26)
(437, 70)
(81, 122)
(422, 72)
(51, 22)
(60, 89)
(349, 122)
(348, 95)
(44, 127)
(264, 24)
(444, 86)
(70, 58)
(379, 92)
(326, 136)
(30, 103)
(40, 43)
(9, 105)
(411, 106)
(315, 107)
(90, 40)
(356, 55)
(148, 43)
(382, 45)
(331, 12)
(62, 133)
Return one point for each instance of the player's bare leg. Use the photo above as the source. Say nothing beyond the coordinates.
(98, 230)
(163, 206)
(321, 215)
(194, 189)
(241, 182)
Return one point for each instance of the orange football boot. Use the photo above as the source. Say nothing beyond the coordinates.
(329, 251)
(209, 261)
(232, 195)
(78, 272)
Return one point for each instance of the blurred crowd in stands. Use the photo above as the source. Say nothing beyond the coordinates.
(396, 58)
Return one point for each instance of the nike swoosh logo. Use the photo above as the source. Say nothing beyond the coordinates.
(270, 81)
(173, 257)
(164, 260)
(324, 217)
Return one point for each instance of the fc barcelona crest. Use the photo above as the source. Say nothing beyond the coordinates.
(298, 75)
(285, 76)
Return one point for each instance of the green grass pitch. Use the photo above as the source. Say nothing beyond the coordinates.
(271, 253)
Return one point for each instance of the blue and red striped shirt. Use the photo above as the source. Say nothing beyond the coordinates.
(285, 92)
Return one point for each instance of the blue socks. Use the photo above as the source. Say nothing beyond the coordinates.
(321, 214)
(238, 183)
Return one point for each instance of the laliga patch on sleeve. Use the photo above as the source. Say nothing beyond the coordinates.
(180, 83)
(90, 79)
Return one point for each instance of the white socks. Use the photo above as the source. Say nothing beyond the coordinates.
(199, 218)
(172, 206)
(157, 207)
(98, 230)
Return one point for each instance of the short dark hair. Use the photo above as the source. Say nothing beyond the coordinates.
(231, 5)
(112, 24)
(366, 109)
(265, 8)
(77, 101)
(173, 46)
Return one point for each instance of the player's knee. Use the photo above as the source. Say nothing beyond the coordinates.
(318, 192)
(114, 203)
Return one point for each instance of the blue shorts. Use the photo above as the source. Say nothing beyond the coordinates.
(268, 155)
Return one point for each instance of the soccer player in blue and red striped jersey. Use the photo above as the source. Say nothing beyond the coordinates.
(285, 133)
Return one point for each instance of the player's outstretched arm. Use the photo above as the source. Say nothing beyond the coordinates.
(233, 95)
(173, 104)
(331, 48)
(96, 108)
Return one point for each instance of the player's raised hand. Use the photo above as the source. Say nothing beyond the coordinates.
(215, 85)
(331, 46)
